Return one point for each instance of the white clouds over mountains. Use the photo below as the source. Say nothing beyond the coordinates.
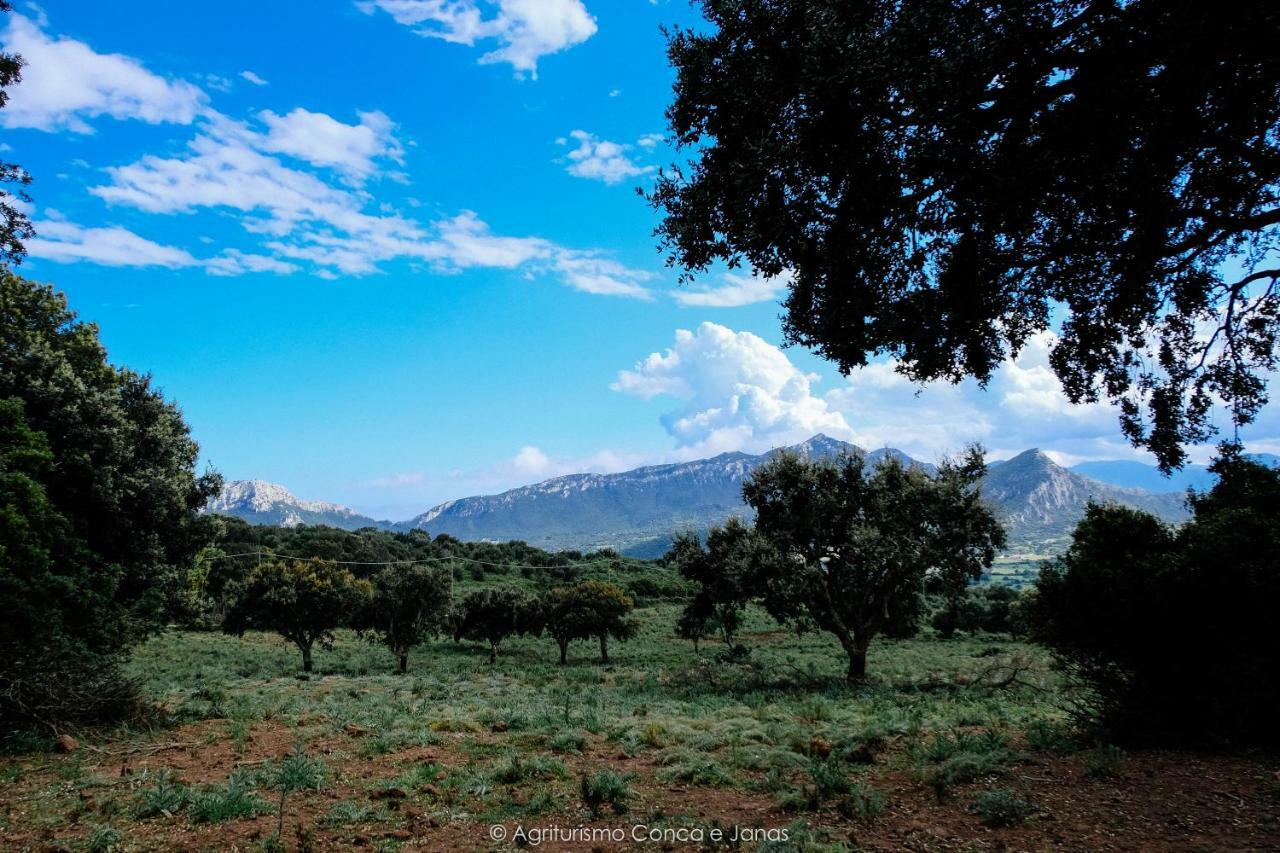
(736, 391)
(524, 30)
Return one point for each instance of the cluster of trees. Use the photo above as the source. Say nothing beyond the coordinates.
(404, 605)
(477, 561)
(1170, 630)
(842, 549)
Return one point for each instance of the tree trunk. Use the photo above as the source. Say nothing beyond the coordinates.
(404, 662)
(856, 648)
(564, 651)
(857, 662)
(306, 656)
(604, 648)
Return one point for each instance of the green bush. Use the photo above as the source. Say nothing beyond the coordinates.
(164, 797)
(1001, 807)
(605, 788)
(219, 803)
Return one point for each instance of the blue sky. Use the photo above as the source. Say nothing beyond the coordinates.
(390, 252)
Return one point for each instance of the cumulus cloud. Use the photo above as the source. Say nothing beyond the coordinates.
(252, 78)
(601, 160)
(524, 30)
(736, 390)
(321, 140)
(1023, 406)
(66, 82)
(736, 289)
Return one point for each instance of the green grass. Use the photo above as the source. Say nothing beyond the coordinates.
(463, 740)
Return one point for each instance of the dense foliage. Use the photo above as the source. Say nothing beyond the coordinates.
(942, 180)
(990, 609)
(99, 497)
(852, 543)
(304, 601)
(1171, 630)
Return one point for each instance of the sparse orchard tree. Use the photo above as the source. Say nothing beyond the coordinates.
(585, 610)
(492, 615)
(943, 181)
(409, 603)
(854, 544)
(727, 571)
(304, 601)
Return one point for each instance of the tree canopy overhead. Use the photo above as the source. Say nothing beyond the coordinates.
(943, 179)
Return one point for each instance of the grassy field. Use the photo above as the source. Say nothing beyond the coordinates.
(953, 744)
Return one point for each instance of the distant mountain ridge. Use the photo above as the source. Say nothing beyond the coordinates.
(637, 511)
(260, 502)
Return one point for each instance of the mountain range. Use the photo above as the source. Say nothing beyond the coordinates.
(637, 511)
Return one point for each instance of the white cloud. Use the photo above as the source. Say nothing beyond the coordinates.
(649, 141)
(235, 262)
(531, 461)
(64, 242)
(1023, 406)
(66, 82)
(737, 289)
(252, 78)
(307, 218)
(601, 160)
(525, 30)
(322, 140)
(738, 392)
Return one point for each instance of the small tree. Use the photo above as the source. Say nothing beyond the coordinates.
(303, 601)
(588, 609)
(492, 615)
(854, 545)
(727, 572)
(409, 602)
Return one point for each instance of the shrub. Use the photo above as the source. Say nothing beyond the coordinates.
(1001, 807)
(164, 797)
(605, 788)
(103, 839)
(234, 800)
